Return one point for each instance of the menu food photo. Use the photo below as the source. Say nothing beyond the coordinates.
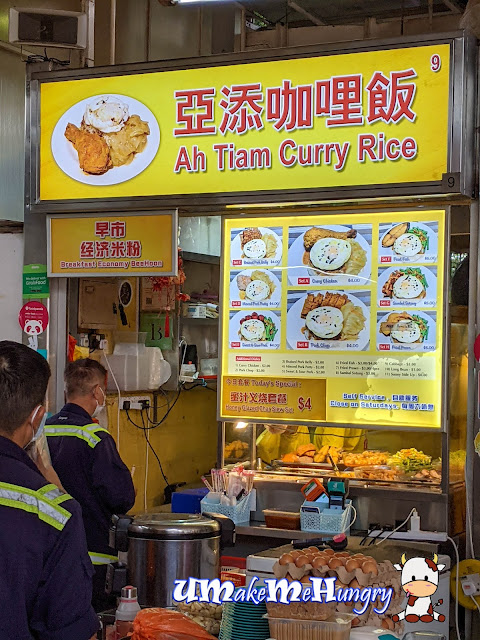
(335, 318)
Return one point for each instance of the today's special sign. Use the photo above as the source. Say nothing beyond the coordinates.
(324, 122)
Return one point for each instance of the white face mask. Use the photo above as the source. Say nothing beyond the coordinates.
(36, 434)
(100, 407)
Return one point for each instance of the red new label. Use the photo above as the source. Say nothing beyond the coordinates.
(235, 345)
(303, 280)
(248, 358)
(384, 347)
(385, 303)
(236, 303)
(385, 259)
(302, 345)
(236, 262)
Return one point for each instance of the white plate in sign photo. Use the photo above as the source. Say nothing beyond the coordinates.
(252, 288)
(408, 242)
(404, 286)
(330, 254)
(256, 247)
(328, 320)
(254, 330)
(105, 140)
(407, 331)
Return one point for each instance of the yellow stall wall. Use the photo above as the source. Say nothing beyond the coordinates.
(185, 443)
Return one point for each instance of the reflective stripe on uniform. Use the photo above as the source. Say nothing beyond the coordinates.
(52, 493)
(101, 558)
(86, 433)
(36, 502)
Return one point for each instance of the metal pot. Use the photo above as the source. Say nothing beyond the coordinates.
(164, 547)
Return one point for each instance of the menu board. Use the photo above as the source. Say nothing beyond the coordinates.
(334, 318)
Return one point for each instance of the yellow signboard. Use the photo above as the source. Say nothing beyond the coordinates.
(306, 123)
(100, 245)
(334, 318)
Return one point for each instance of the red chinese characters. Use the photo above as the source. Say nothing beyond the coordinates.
(290, 107)
(87, 250)
(391, 99)
(345, 101)
(118, 249)
(242, 109)
(195, 112)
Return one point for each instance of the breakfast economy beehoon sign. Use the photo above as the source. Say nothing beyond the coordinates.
(143, 244)
(307, 123)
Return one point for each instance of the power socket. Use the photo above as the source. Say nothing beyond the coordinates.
(135, 403)
(470, 584)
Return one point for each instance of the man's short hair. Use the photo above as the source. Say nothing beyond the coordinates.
(24, 376)
(82, 376)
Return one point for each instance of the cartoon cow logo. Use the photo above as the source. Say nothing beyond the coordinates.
(420, 581)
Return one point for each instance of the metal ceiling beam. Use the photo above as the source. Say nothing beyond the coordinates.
(299, 9)
(453, 5)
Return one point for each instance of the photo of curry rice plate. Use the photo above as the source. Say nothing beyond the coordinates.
(331, 316)
(255, 286)
(257, 245)
(407, 239)
(108, 135)
(405, 328)
(257, 328)
(406, 284)
(333, 252)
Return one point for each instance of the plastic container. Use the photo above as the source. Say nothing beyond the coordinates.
(209, 366)
(188, 501)
(126, 612)
(278, 519)
(321, 519)
(143, 369)
(336, 628)
(239, 514)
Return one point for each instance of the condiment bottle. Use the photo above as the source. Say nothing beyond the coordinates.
(126, 612)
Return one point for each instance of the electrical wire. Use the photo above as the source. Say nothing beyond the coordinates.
(397, 528)
(154, 425)
(476, 603)
(144, 428)
(457, 583)
(349, 526)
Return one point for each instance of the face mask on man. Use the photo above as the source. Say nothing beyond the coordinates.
(100, 407)
(37, 434)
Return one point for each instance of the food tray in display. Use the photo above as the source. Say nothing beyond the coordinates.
(300, 273)
(276, 519)
(336, 628)
(238, 257)
(410, 286)
(409, 331)
(408, 246)
(299, 336)
(365, 462)
(392, 474)
(321, 466)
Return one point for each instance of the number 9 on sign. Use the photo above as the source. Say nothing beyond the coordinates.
(304, 403)
(435, 62)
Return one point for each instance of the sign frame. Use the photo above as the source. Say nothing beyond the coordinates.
(457, 181)
(115, 274)
(444, 411)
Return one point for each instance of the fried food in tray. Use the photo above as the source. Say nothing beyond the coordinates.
(365, 459)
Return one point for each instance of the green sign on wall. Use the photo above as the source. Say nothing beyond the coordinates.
(35, 281)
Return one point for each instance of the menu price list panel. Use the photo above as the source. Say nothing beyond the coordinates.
(349, 303)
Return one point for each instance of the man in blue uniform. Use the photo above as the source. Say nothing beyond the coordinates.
(89, 466)
(45, 571)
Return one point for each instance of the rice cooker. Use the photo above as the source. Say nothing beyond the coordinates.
(164, 547)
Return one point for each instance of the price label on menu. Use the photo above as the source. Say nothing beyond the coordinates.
(321, 299)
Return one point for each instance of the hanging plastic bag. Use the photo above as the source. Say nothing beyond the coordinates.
(164, 624)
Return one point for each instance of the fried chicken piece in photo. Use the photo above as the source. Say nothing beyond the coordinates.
(93, 152)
